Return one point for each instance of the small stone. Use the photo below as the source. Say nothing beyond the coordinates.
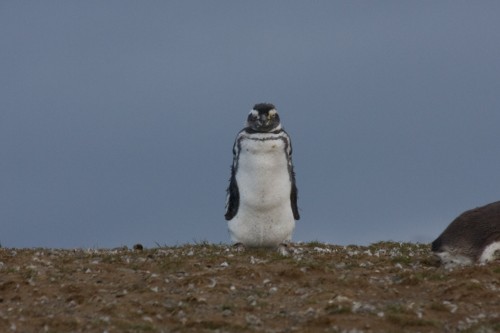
(213, 283)
(253, 320)
(252, 300)
(283, 250)
(452, 307)
(310, 312)
(358, 307)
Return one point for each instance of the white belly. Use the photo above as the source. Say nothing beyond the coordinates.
(490, 253)
(265, 215)
(450, 258)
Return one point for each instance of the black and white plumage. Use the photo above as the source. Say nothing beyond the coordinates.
(473, 237)
(261, 206)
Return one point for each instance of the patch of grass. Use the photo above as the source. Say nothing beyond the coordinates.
(274, 256)
(395, 308)
(398, 315)
(227, 307)
(205, 245)
(437, 277)
(190, 299)
(171, 264)
(9, 270)
(29, 273)
(202, 243)
(435, 306)
(471, 286)
(337, 309)
(413, 279)
(311, 265)
(403, 260)
(291, 273)
(108, 259)
(136, 327)
(404, 320)
(213, 325)
(314, 244)
(383, 244)
(492, 326)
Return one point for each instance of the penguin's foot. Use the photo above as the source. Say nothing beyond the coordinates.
(284, 249)
(239, 247)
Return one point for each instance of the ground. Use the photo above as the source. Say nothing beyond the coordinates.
(385, 287)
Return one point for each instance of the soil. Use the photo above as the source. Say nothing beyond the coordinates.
(385, 287)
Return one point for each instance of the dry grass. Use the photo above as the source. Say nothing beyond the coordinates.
(386, 287)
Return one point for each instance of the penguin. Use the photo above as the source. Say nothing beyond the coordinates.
(261, 202)
(473, 237)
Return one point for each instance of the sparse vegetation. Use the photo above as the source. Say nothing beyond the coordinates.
(385, 287)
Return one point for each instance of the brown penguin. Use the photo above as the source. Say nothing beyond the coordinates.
(473, 237)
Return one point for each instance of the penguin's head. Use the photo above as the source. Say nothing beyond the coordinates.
(264, 118)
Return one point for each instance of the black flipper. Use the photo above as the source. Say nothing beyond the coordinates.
(293, 198)
(294, 191)
(233, 199)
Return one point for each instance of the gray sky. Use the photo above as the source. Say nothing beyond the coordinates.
(117, 118)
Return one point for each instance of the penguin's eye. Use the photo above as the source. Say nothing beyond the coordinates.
(253, 115)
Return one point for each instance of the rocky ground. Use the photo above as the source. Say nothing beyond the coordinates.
(385, 287)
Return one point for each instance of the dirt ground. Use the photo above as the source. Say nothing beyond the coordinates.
(385, 287)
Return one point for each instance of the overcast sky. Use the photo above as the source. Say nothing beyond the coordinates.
(117, 118)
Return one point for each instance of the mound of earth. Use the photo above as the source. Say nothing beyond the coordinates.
(385, 287)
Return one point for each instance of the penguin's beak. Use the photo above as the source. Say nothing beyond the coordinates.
(264, 120)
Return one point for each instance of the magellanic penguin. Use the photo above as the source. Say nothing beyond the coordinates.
(261, 205)
(473, 237)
